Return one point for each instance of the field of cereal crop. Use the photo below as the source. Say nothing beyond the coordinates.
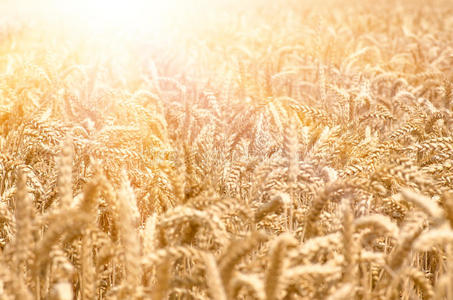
(224, 150)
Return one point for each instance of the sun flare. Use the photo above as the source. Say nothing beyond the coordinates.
(118, 14)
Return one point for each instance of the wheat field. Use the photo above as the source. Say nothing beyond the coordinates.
(268, 150)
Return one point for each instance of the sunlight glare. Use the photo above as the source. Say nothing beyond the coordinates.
(119, 14)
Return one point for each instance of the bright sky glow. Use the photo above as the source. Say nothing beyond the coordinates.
(119, 14)
(100, 16)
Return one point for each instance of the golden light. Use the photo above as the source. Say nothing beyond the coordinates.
(103, 16)
(118, 14)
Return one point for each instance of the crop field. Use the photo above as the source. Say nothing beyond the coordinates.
(224, 150)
